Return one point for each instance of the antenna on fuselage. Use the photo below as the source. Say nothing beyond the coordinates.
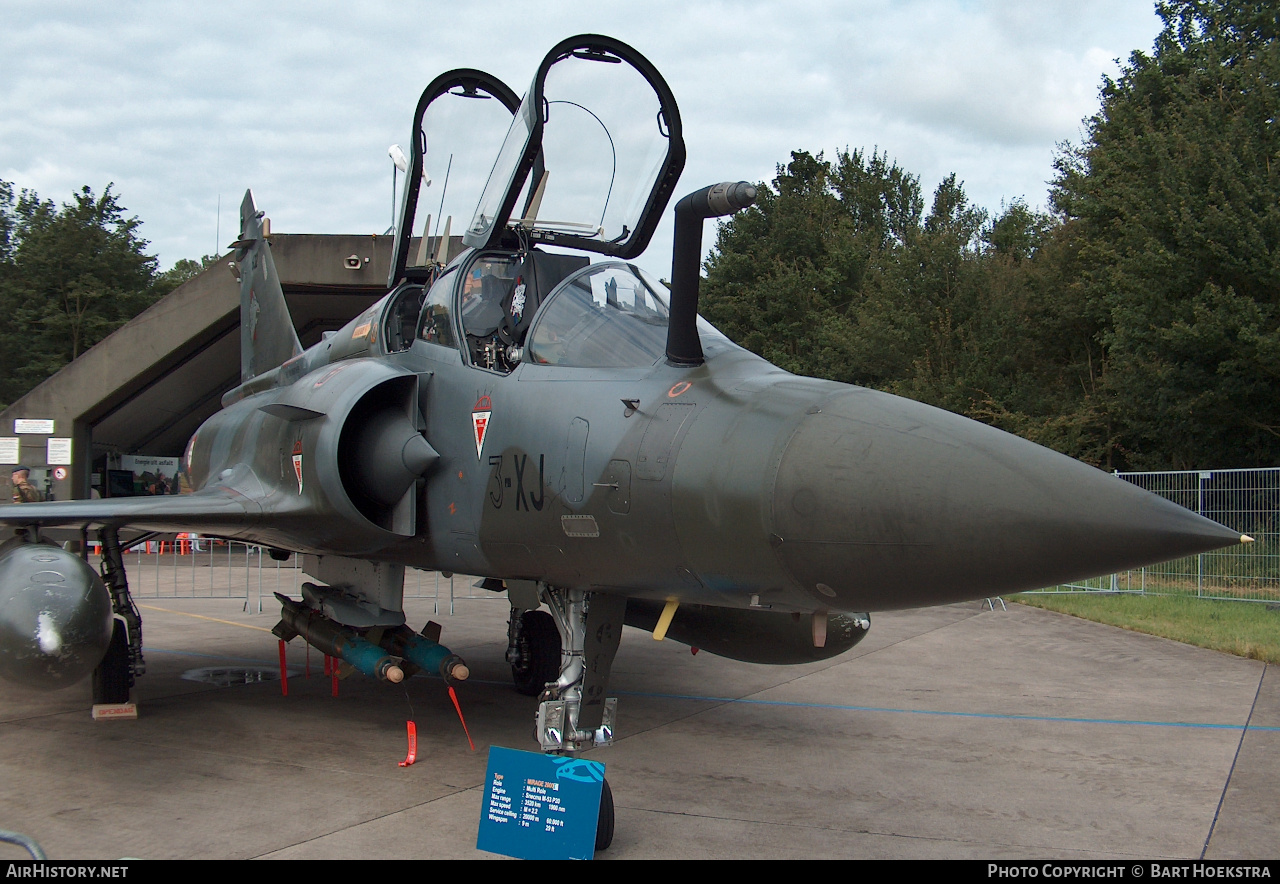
(442, 246)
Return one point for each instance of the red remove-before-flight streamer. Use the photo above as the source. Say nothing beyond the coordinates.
(454, 698)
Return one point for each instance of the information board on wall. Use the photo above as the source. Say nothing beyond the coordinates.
(148, 475)
(58, 451)
(540, 806)
(10, 450)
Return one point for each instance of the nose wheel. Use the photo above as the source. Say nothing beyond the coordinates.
(604, 825)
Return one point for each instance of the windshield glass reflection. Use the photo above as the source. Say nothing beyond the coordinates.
(606, 316)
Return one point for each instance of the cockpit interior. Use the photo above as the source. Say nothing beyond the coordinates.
(503, 308)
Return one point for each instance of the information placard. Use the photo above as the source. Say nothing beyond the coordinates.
(10, 450)
(57, 451)
(540, 806)
(33, 425)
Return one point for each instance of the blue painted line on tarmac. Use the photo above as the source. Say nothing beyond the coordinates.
(989, 715)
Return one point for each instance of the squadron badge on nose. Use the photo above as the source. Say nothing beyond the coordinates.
(480, 421)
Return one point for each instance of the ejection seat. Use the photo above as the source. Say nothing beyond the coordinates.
(500, 306)
(540, 273)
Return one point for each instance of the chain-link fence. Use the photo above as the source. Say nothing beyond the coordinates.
(1247, 501)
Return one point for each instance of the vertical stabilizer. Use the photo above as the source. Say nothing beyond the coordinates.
(267, 336)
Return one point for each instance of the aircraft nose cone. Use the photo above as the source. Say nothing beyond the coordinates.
(877, 497)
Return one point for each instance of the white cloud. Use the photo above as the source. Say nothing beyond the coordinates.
(180, 107)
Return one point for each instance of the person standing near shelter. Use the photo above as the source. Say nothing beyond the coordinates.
(23, 490)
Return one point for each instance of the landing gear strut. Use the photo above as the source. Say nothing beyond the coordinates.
(574, 714)
(123, 662)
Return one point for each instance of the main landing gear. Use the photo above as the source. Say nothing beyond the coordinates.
(114, 676)
(565, 657)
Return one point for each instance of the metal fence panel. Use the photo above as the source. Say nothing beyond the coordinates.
(209, 569)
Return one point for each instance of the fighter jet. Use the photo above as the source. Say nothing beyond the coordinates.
(571, 432)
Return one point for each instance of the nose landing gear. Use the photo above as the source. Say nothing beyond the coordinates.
(583, 630)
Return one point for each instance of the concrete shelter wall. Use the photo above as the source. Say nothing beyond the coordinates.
(167, 334)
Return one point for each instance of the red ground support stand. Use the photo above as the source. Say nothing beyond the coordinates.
(284, 672)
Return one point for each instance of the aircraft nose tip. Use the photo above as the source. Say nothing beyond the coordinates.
(877, 497)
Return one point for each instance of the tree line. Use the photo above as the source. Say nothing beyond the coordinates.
(69, 276)
(1134, 325)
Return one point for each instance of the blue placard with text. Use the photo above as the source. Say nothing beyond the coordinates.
(540, 806)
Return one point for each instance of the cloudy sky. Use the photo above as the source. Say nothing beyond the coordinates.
(183, 105)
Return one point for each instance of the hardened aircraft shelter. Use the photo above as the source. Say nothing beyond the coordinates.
(148, 386)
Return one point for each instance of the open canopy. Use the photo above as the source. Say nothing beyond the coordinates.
(457, 126)
(591, 157)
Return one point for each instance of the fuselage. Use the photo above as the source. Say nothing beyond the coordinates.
(731, 483)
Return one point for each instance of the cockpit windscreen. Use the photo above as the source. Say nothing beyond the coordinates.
(605, 316)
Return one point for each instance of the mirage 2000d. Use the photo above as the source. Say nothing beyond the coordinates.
(575, 435)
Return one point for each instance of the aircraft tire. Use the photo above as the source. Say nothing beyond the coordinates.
(111, 678)
(604, 826)
(539, 653)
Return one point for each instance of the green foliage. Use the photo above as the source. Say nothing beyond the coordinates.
(793, 275)
(1176, 195)
(183, 270)
(69, 276)
(1138, 326)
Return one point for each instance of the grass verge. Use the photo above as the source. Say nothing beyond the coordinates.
(1246, 629)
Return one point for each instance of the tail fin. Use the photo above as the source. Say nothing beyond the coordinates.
(267, 336)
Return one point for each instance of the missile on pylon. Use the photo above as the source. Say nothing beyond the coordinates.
(335, 640)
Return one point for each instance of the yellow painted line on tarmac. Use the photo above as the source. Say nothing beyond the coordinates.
(203, 617)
